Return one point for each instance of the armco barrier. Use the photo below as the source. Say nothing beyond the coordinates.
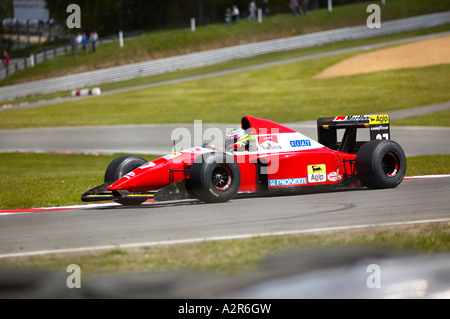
(135, 70)
(38, 58)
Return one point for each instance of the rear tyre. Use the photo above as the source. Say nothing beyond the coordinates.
(214, 178)
(119, 167)
(381, 164)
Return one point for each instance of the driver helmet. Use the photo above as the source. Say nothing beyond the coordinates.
(237, 140)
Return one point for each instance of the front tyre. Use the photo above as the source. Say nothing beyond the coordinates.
(214, 178)
(381, 164)
(119, 167)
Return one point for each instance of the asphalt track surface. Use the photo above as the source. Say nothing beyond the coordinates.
(111, 225)
(115, 226)
(158, 139)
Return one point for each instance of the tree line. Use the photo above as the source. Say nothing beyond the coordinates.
(110, 16)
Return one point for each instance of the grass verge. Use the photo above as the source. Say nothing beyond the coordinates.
(44, 180)
(283, 93)
(238, 257)
(435, 119)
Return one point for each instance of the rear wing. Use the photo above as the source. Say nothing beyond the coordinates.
(327, 130)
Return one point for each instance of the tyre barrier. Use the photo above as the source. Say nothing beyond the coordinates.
(86, 92)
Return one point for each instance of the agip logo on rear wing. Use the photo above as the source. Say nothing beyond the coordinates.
(327, 127)
(379, 127)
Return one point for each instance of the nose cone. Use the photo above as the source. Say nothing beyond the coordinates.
(150, 176)
(153, 175)
(159, 173)
(127, 182)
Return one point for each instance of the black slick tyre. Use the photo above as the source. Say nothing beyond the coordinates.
(119, 167)
(381, 164)
(214, 178)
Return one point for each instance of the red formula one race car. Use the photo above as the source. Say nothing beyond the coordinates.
(262, 158)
